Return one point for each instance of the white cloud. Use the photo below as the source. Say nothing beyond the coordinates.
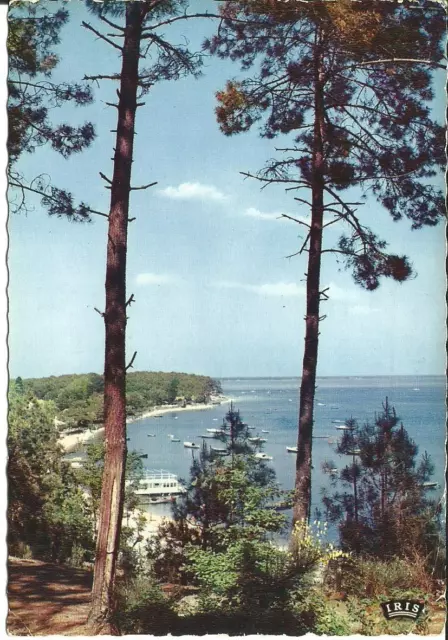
(193, 191)
(362, 310)
(338, 293)
(157, 279)
(279, 289)
(252, 212)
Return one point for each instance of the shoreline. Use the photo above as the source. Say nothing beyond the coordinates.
(71, 442)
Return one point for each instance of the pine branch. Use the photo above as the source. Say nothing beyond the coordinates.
(145, 186)
(102, 77)
(305, 224)
(102, 36)
(112, 24)
(130, 365)
(399, 60)
(176, 19)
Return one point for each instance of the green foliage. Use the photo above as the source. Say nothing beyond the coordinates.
(46, 509)
(143, 607)
(382, 507)
(372, 578)
(325, 52)
(227, 500)
(33, 34)
(79, 398)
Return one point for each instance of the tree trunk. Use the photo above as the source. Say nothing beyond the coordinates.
(112, 494)
(302, 500)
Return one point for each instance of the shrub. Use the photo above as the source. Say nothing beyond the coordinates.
(373, 578)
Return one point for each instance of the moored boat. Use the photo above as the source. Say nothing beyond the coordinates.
(191, 445)
(291, 449)
(219, 451)
(262, 456)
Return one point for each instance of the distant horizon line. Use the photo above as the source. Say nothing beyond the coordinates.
(237, 377)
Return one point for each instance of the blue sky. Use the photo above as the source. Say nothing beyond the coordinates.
(206, 262)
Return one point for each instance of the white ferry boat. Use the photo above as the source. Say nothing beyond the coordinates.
(158, 484)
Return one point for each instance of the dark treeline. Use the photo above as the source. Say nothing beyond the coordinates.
(78, 398)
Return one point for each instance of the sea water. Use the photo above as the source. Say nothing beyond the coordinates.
(271, 404)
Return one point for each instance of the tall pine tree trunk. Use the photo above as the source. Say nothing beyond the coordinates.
(112, 495)
(302, 501)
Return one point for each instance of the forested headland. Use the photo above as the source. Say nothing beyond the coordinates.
(78, 398)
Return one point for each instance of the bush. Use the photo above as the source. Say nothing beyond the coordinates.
(143, 608)
(373, 578)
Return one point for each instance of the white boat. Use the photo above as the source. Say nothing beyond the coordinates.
(219, 451)
(151, 435)
(430, 485)
(262, 456)
(215, 431)
(264, 431)
(251, 427)
(175, 439)
(157, 484)
(207, 435)
(257, 440)
(354, 452)
(292, 449)
(344, 427)
(191, 445)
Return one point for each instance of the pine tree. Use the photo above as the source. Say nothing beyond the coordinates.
(228, 498)
(141, 37)
(350, 84)
(380, 500)
(34, 32)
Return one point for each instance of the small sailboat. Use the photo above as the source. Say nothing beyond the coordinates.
(175, 439)
(191, 445)
(215, 431)
(344, 427)
(257, 440)
(264, 431)
(262, 456)
(151, 435)
(292, 449)
(430, 485)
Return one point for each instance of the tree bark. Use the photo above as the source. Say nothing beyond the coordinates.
(112, 494)
(302, 501)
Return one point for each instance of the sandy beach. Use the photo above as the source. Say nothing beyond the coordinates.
(71, 442)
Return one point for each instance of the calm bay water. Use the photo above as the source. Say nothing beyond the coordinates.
(271, 404)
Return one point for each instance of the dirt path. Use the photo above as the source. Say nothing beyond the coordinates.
(47, 599)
